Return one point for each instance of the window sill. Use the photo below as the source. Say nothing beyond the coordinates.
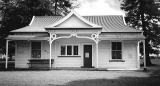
(69, 56)
(116, 60)
(35, 58)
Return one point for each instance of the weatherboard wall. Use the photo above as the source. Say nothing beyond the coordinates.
(61, 61)
(22, 54)
(129, 55)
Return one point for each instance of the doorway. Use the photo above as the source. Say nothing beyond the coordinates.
(87, 55)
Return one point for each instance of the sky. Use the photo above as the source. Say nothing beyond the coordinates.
(99, 7)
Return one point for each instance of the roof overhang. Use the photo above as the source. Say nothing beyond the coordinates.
(73, 28)
(122, 37)
(26, 37)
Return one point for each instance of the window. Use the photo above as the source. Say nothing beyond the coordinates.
(36, 49)
(69, 50)
(75, 50)
(116, 50)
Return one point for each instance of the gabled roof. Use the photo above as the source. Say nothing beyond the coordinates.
(68, 16)
(109, 23)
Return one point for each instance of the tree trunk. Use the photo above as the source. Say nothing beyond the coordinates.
(56, 1)
(148, 61)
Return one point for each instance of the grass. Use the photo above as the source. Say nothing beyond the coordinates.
(151, 77)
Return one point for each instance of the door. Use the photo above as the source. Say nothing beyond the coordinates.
(87, 55)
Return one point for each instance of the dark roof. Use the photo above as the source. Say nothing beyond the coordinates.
(114, 23)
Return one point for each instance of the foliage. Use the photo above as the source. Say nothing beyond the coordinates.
(145, 15)
(18, 13)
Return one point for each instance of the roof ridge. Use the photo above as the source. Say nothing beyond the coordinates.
(102, 15)
(49, 16)
(82, 16)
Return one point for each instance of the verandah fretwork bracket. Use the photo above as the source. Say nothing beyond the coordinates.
(52, 37)
(93, 37)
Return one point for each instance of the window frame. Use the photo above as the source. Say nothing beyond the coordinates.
(40, 49)
(72, 47)
(116, 60)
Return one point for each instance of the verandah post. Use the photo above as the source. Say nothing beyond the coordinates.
(97, 41)
(97, 53)
(6, 65)
(138, 58)
(55, 54)
(50, 43)
(50, 55)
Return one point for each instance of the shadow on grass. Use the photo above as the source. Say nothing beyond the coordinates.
(152, 80)
(122, 81)
(148, 65)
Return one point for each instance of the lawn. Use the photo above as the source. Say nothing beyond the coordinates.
(151, 77)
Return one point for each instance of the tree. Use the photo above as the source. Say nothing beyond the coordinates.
(145, 15)
(18, 13)
(60, 7)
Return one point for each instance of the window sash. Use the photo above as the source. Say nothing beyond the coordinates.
(116, 50)
(116, 54)
(75, 50)
(69, 50)
(63, 50)
(36, 45)
(36, 50)
(116, 46)
(36, 53)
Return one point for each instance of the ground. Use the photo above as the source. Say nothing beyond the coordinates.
(151, 77)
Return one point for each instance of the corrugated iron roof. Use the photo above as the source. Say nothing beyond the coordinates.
(109, 23)
(38, 24)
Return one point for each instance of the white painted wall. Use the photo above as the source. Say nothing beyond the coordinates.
(45, 50)
(73, 61)
(22, 54)
(104, 54)
(129, 54)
